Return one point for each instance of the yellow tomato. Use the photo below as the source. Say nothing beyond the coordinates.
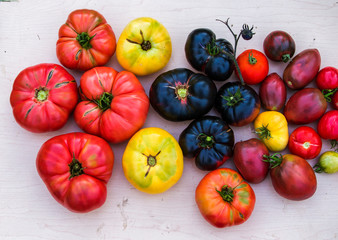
(153, 160)
(272, 129)
(144, 46)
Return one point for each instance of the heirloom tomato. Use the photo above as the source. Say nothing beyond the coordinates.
(302, 69)
(279, 46)
(327, 78)
(272, 92)
(209, 140)
(152, 161)
(76, 168)
(305, 142)
(43, 96)
(224, 198)
(248, 159)
(180, 94)
(212, 56)
(253, 65)
(328, 125)
(328, 163)
(238, 104)
(272, 129)
(305, 106)
(85, 41)
(144, 46)
(114, 104)
(292, 176)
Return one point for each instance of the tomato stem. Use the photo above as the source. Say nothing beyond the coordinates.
(286, 58)
(145, 44)
(151, 162)
(317, 168)
(328, 94)
(75, 168)
(104, 101)
(252, 60)
(206, 141)
(263, 132)
(275, 160)
(212, 48)
(84, 40)
(233, 99)
(41, 94)
(227, 193)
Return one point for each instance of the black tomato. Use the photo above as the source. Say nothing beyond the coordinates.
(180, 94)
(238, 104)
(210, 55)
(209, 140)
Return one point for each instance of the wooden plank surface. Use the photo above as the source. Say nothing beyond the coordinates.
(27, 211)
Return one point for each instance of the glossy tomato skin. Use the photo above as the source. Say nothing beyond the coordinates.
(327, 126)
(85, 41)
(209, 140)
(302, 69)
(152, 161)
(272, 92)
(114, 105)
(279, 46)
(305, 106)
(144, 46)
(305, 142)
(294, 178)
(43, 96)
(239, 113)
(328, 163)
(180, 94)
(327, 78)
(335, 101)
(254, 66)
(76, 168)
(248, 159)
(214, 63)
(222, 211)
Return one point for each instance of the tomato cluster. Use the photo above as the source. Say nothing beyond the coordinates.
(112, 106)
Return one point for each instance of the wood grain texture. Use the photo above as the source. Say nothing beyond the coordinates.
(29, 31)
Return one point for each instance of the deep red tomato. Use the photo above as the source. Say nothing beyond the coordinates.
(76, 168)
(86, 40)
(305, 142)
(224, 198)
(253, 65)
(327, 78)
(334, 100)
(328, 125)
(43, 96)
(114, 104)
(292, 177)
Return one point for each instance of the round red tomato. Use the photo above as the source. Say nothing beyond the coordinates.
(43, 96)
(114, 104)
(327, 78)
(292, 176)
(76, 168)
(253, 65)
(86, 40)
(305, 142)
(328, 125)
(224, 198)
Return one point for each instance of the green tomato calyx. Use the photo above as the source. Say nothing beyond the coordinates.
(212, 48)
(75, 168)
(263, 132)
(145, 44)
(275, 160)
(84, 40)
(227, 193)
(104, 101)
(233, 99)
(206, 141)
(41, 94)
(252, 60)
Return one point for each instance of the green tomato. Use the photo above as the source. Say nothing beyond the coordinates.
(328, 162)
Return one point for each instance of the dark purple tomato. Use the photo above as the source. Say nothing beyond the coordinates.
(279, 46)
(305, 106)
(248, 158)
(272, 92)
(302, 69)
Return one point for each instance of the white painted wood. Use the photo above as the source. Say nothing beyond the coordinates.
(28, 34)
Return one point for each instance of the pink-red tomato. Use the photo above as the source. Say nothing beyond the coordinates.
(328, 125)
(305, 142)
(43, 97)
(114, 105)
(224, 198)
(253, 65)
(327, 78)
(76, 168)
(85, 41)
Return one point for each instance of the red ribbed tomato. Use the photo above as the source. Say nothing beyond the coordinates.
(114, 104)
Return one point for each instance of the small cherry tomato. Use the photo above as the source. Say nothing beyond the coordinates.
(254, 66)
(327, 126)
(279, 46)
(327, 78)
(305, 142)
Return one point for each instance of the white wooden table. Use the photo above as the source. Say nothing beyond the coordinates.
(28, 34)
